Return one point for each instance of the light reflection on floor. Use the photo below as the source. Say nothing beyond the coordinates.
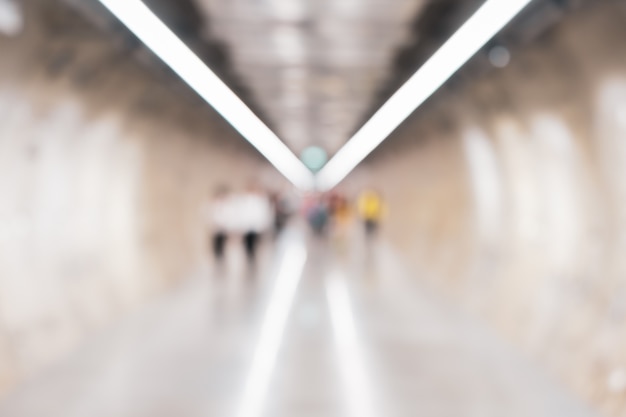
(337, 336)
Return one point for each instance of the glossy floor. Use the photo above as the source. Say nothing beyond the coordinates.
(322, 329)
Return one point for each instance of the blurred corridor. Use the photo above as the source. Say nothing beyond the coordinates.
(344, 342)
(182, 232)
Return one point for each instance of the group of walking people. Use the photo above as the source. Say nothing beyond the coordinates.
(333, 213)
(249, 215)
(246, 215)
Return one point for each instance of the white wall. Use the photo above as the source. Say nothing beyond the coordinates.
(104, 169)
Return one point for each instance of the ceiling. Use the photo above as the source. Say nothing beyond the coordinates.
(312, 65)
(313, 70)
(310, 69)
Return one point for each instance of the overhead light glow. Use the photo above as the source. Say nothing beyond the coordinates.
(499, 57)
(167, 46)
(11, 18)
(314, 158)
(472, 36)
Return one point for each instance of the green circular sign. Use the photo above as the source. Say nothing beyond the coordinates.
(314, 158)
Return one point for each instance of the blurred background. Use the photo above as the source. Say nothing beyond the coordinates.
(142, 237)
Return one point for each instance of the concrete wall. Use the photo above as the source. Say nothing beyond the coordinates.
(508, 193)
(104, 167)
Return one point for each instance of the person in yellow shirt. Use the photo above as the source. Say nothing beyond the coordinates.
(371, 210)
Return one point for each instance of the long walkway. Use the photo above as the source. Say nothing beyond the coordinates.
(319, 332)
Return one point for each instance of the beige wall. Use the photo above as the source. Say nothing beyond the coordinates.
(104, 168)
(508, 194)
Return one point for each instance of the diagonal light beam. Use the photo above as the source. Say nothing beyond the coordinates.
(468, 40)
(167, 46)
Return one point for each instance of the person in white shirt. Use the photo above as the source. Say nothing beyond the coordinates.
(221, 219)
(254, 213)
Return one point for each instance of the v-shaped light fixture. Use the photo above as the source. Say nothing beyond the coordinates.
(473, 35)
(167, 46)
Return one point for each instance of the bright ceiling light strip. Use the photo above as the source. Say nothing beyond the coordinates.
(468, 40)
(272, 330)
(167, 46)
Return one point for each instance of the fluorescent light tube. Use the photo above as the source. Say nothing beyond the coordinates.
(167, 46)
(468, 40)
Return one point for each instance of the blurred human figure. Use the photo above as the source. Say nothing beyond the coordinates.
(316, 212)
(371, 209)
(339, 222)
(255, 216)
(340, 214)
(221, 214)
(336, 208)
(284, 207)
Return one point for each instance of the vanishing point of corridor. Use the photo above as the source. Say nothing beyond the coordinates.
(312, 208)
